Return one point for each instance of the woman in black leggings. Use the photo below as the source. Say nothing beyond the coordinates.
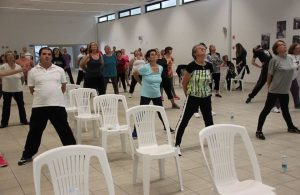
(280, 74)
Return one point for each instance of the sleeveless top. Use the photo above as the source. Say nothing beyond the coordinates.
(93, 68)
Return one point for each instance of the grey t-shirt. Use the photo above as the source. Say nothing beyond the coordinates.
(282, 70)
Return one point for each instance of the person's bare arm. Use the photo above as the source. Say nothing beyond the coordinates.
(4, 73)
(269, 80)
(31, 89)
(136, 76)
(185, 80)
(253, 62)
(63, 87)
(84, 61)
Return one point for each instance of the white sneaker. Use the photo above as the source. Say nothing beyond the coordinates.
(213, 113)
(275, 110)
(178, 150)
(130, 95)
(197, 114)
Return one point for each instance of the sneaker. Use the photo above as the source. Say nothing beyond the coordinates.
(3, 126)
(24, 161)
(275, 110)
(171, 130)
(130, 95)
(248, 100)
(134, 135)
(197, 114)
(218, 95)
(178, 150)
(176, 97)
(293, 130)
(260, 135)
(213, 113)
(3, 162)
(175, 106)
(25, 123)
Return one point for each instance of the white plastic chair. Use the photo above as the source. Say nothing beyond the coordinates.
(220, 141)
(238, 78)
(69, 99)
(223, 73)
(69, 169)
(83, 98)
(148, 149)
(107, 106)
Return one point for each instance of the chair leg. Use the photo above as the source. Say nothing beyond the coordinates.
(242, 85)
(161, 163)
(146, 175)
(179, 171)
(131, 145)
(85, 125)
(104, 140)
(135, 168)
(94, 129)
(123, 143)
(78, 131)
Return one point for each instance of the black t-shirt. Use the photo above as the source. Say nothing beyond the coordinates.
(59, 61)
(164, 64)
(263, 55)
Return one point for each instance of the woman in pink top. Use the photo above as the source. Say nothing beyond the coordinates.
(126, 59)
(26, 64)
(170, 62)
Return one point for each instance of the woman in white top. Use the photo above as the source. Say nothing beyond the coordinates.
(294, 52)
(136, 63)
(12, 87)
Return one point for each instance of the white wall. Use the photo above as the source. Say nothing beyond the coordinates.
(183, 26)
(180, 27)
(252, 18)
(19, 30)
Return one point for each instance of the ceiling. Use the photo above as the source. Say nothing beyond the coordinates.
(68, 7)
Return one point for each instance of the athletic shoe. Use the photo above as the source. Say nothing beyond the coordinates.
(275, 110)
(293, 130)
(24, 161)
(218, 95)
(213, 113)
(197, 114)
(260, 135)
(178, 150)
(3, 162)
(248, 100)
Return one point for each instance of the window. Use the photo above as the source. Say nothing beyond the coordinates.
(188, 1)
(160, 5)
(130, 12)
(124, 14)
(166, 4)
(135, 11)
(111, 17)
(106, 18)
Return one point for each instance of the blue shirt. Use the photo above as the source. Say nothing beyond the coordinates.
(151, 81)
(110, 66)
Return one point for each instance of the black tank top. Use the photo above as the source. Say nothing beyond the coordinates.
(93, 68)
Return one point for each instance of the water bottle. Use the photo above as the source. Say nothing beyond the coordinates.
(284, 165)
(231, 117)
(74, 191)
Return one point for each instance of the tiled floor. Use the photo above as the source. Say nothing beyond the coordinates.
(18, 180)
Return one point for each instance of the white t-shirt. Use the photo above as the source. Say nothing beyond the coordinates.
(79, 58)
(13, 82)
(47, 86)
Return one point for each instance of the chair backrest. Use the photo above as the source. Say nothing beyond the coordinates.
(69, 169)
(69, 87)
(144, 121)
(107, 106)
(83, 100)
(220, 141)
(239, 76)
(72, 101)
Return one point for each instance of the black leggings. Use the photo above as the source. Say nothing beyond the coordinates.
(190, 107)
(156, 101)
(122, 77)
(216, 78)
(133, 84)
(95, 83)
(270, 102)
(261, 81)
(166, 85)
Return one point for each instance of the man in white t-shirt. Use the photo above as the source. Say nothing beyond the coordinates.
(47, 83)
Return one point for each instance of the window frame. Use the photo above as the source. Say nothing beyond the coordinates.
(107, 19)
(130, 12)
(160, 6)
(184, 3)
